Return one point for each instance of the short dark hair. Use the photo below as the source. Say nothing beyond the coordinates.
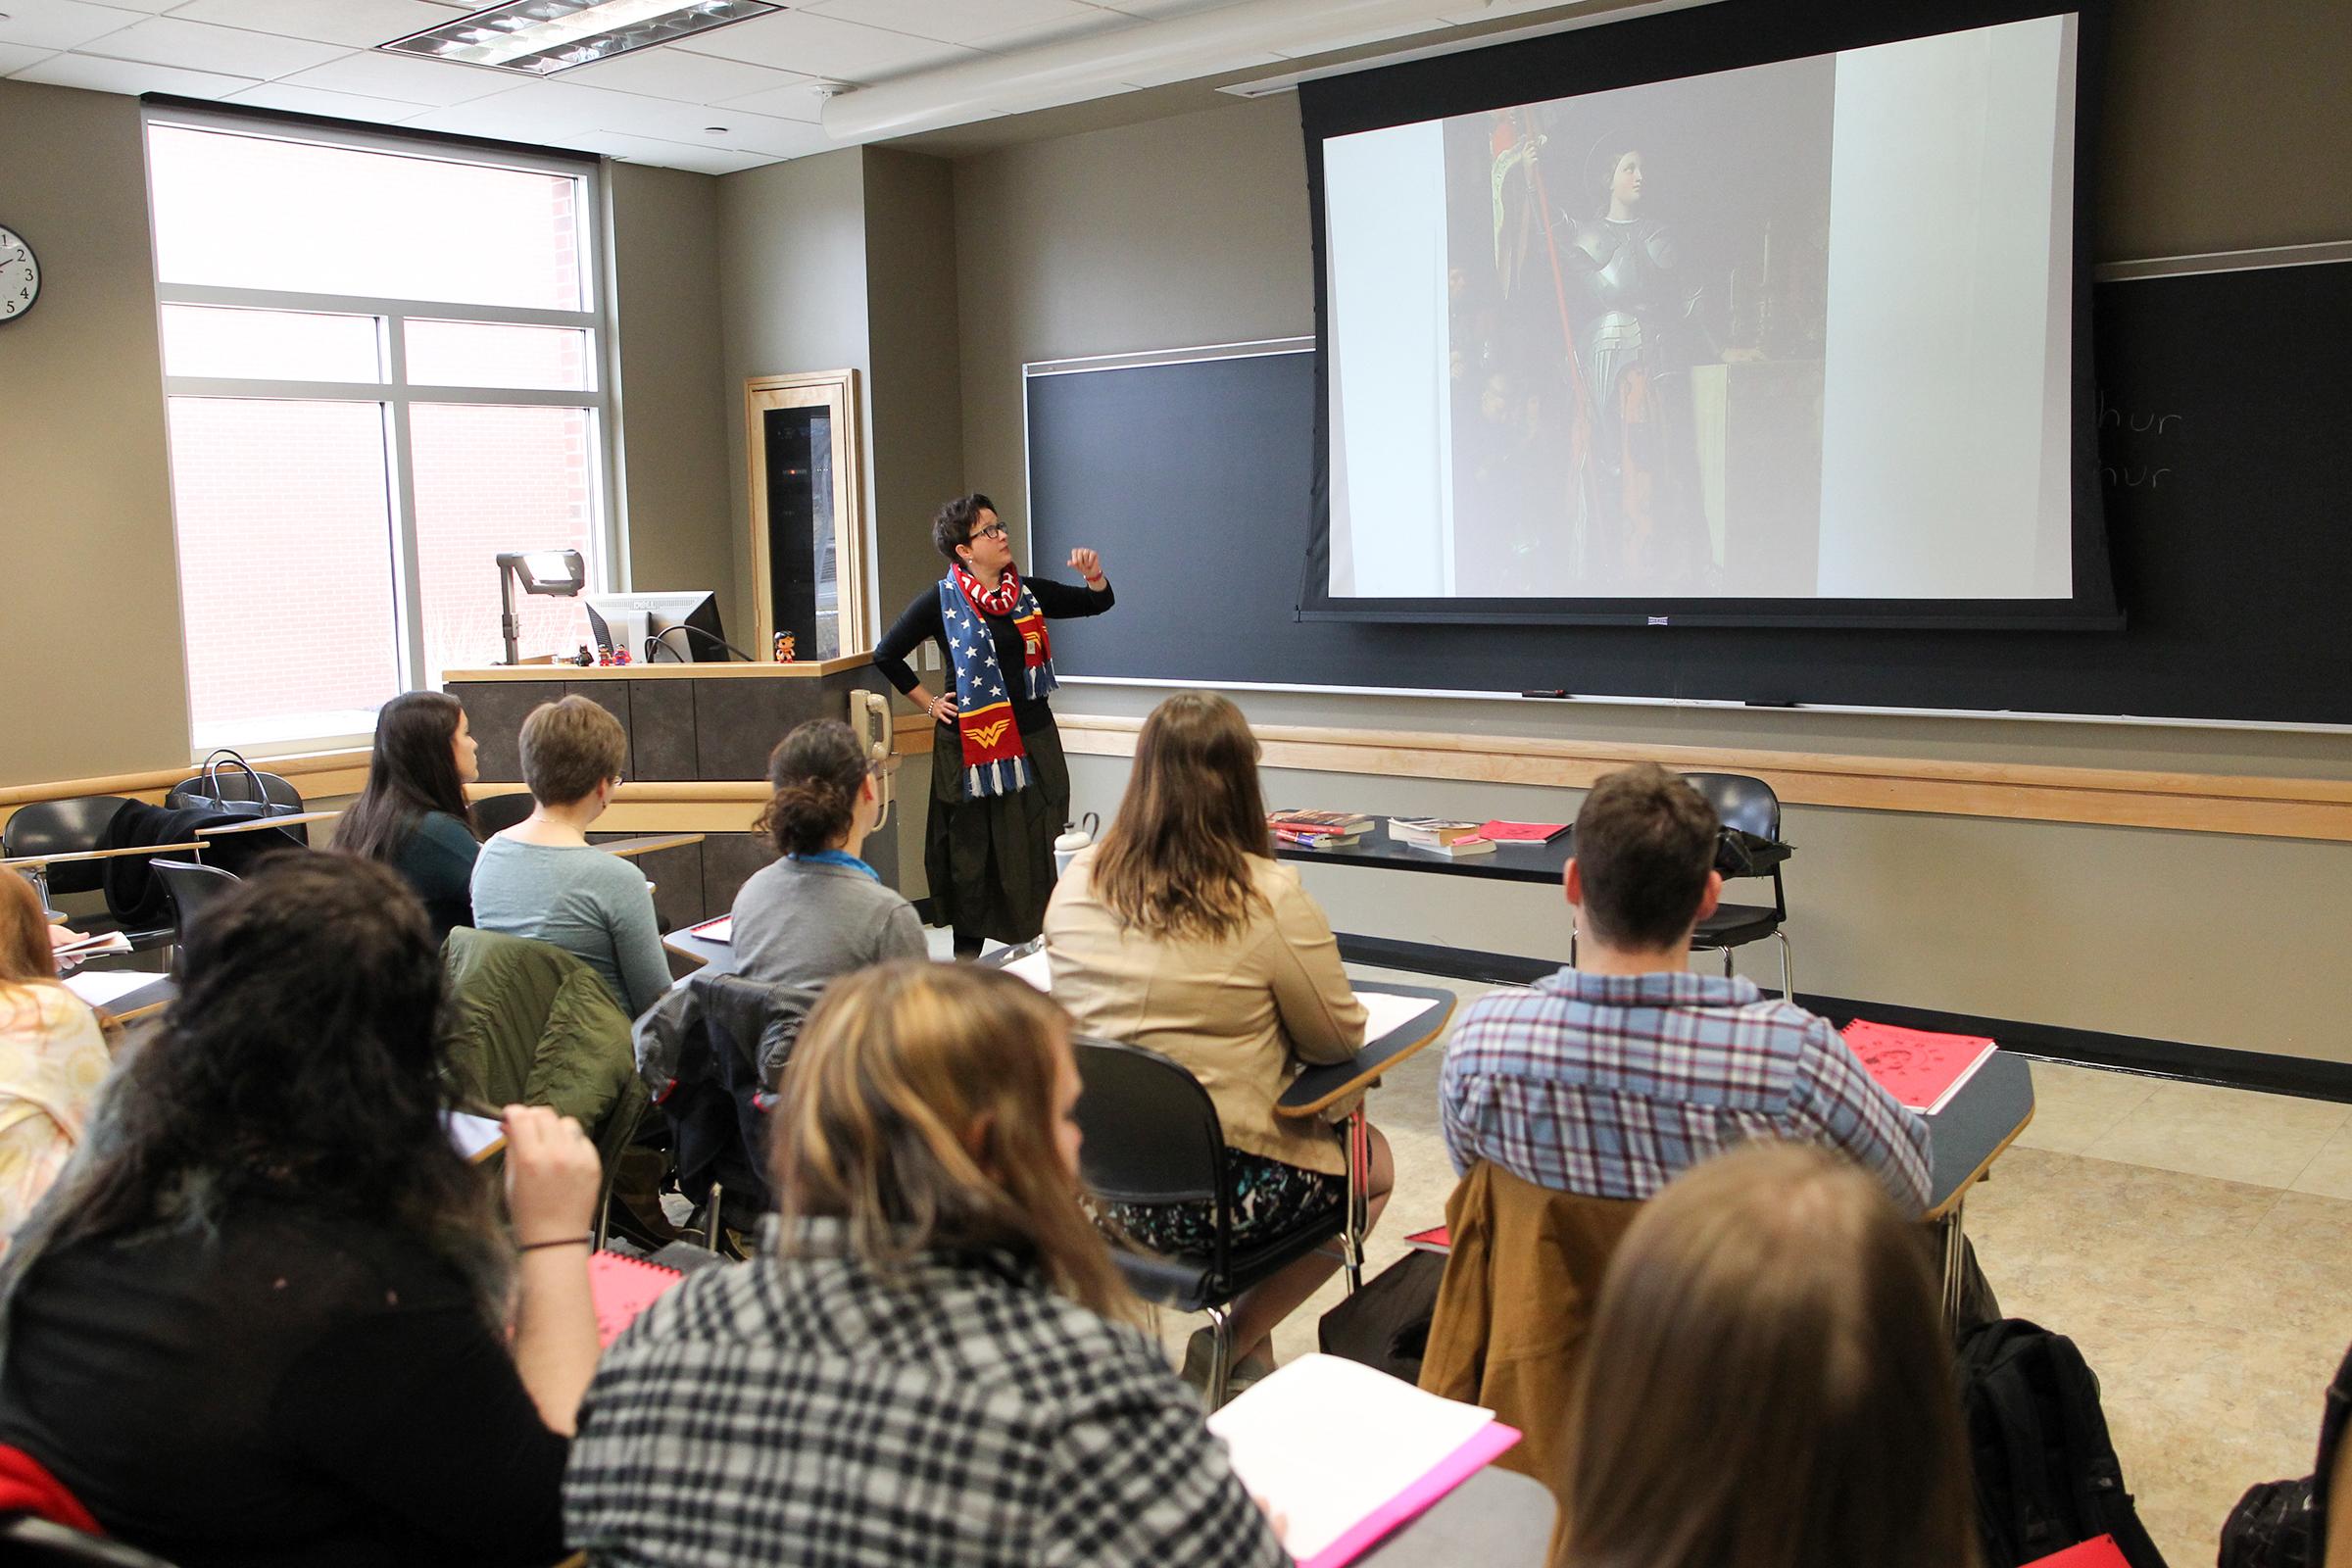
(1644, 844)
(952, 525)
(569, 747)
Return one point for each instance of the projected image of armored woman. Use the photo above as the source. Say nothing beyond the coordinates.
(1636, 327)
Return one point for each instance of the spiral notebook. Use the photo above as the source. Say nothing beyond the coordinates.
(622, 1288)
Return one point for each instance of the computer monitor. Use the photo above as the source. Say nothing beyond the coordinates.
(630, 621)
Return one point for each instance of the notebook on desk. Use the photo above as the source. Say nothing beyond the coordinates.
(1346, 1454)
(1386, 1013)
(104, 987)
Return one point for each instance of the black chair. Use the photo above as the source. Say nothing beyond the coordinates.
(192, 887)
(1152, 1136)
(72, 826)
(750, 1028)
(38, 1544)
(1747, 805)
(495, 813)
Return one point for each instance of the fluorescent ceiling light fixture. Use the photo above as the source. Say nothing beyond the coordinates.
(540, 37)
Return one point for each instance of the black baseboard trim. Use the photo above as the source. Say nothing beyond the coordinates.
(2155, 1058)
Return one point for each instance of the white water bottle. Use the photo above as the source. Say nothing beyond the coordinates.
(1074, 837)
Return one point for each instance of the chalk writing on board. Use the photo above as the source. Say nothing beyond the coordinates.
(2133, 442)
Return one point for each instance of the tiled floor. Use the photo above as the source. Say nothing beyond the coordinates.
(2191, 1239)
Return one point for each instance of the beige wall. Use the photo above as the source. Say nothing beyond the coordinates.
(792, 297)
(86, 513)
(86, 505)
(1193, 231)
(673, 387)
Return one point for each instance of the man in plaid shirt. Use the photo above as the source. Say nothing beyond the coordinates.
(1608, 1079)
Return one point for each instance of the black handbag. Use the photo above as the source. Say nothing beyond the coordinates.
(206, 791)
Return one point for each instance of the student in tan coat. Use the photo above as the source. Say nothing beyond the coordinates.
(1181, 932)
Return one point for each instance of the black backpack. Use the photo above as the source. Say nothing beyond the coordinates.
(2045, 1470)
(2283, 1524)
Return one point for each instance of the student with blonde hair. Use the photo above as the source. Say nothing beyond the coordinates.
(1768, 1383)
(927, 1363)
(53, 1057)
(1182, 933)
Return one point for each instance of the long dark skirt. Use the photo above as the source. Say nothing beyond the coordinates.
(991, 860)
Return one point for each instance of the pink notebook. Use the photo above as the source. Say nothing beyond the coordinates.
(1403, 1450)
(1521, 832)
(624, 1286)
(2099, 1552)
(1923, 1071)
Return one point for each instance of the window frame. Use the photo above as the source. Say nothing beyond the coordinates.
(608, 566)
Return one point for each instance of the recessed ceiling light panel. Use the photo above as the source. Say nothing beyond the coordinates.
(540, 37)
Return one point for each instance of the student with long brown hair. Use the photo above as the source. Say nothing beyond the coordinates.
(412, 815)
(1768, 1384)
(1181, 932)
(927, 1363)
(53, 1057)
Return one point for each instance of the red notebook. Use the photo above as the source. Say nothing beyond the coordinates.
(1521, 832)
(624, 1286)
(2099, 1552)
(1921, 1070)
(1434, 1239)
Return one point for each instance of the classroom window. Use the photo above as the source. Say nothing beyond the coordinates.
(383, 365)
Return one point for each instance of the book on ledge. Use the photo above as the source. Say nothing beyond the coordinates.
(1299, 821)
(1923, 1071)
(1430, 831)
(1458, 849)
(1437, 1239)
(1315, 838)
(1403, 1450)
(720, 929)
(1521, 832)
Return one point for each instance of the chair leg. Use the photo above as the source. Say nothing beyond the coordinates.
(1788, 967)
(1220, 1354)
(711, 1230)
(1360, 1198)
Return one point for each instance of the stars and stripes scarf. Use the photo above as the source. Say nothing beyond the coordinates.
(994, 759)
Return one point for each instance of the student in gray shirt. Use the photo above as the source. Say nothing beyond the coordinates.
(542, 878)
(821, 912)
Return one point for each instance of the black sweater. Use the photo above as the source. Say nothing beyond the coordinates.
(299, 1390)
(1059, 600)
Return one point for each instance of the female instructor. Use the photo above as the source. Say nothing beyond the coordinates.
(1000, 789)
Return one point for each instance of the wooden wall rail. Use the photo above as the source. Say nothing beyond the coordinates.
(320, 776)
(2192, 803)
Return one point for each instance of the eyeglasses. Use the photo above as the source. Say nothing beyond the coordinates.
(994, 530)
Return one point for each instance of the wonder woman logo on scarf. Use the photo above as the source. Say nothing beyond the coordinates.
(994, 759)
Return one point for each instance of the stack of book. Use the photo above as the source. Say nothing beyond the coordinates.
(1317, 830)
(1440, 835)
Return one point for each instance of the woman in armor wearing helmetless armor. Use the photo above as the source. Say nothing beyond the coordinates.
(1637, 329)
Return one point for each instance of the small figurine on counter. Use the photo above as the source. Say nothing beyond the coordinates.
(583, 657)
(784, 648)
(604, 656)
(620, 656)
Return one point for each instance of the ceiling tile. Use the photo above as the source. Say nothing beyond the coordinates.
(356, 24)
(823, 46)
(672, 154)
(417, 81)
(333, 105)
(231, 51)
(17, 56)
(1055, 32)
(131, 77)
(956, 20)
(662, 72)
(1348, 37)
(60, 24)
(534, 111)
(1163, 7)
(801, 101)
(150, 6)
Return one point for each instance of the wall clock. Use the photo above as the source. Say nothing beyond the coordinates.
(20, 275)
